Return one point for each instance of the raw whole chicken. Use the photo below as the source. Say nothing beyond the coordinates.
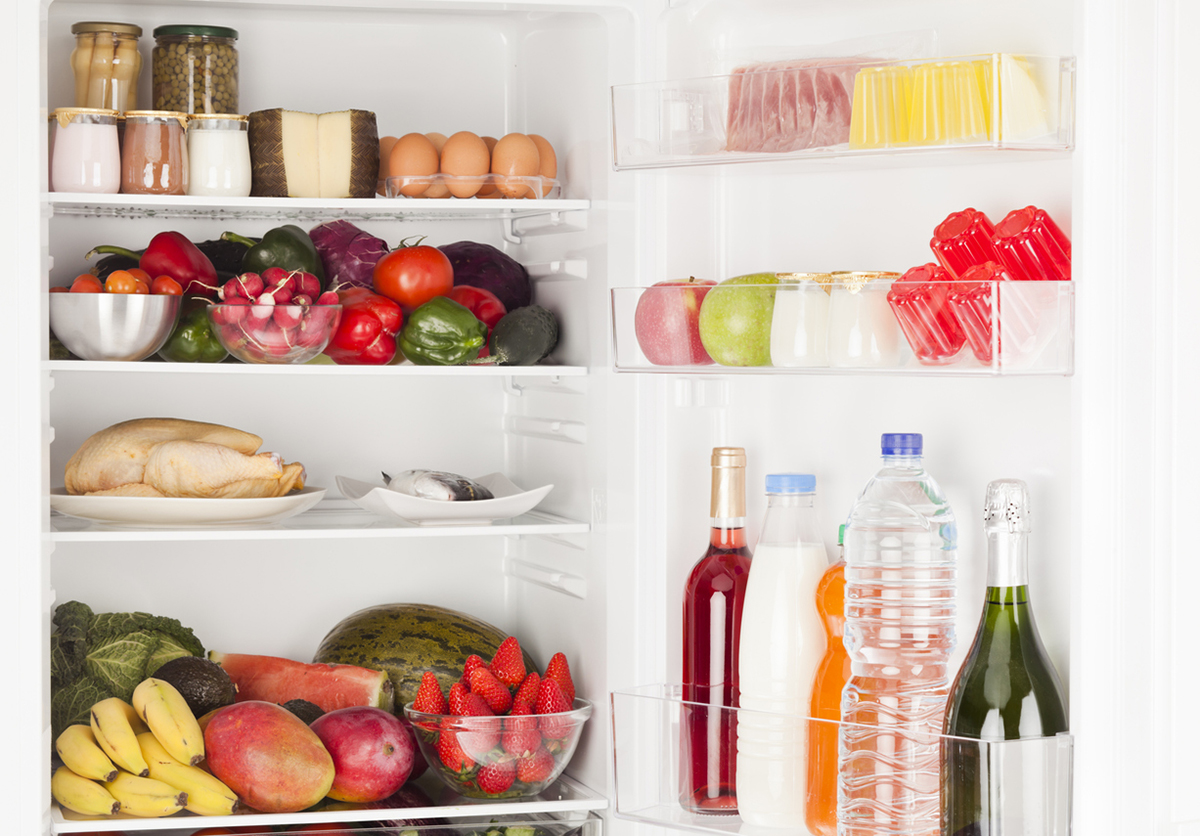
(178, 458)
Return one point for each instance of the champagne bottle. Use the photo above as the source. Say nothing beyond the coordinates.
(712, 614)
(1007, 688)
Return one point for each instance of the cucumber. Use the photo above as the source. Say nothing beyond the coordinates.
(522, 337)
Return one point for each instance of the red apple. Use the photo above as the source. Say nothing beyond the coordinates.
(372, 752)
(667, 322)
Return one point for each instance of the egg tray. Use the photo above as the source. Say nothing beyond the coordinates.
(497, 186)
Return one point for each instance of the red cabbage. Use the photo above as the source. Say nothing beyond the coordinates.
(347, 253)
(482, 265)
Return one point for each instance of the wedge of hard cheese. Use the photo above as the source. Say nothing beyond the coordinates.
(295, 154)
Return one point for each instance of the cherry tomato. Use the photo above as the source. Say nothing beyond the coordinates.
(60, 289)
(139, 273)
(87, 283)
(411, 276)
(141, 287)
(167, 285)
(120, 281)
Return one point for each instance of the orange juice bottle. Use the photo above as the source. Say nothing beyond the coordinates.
(832, 674)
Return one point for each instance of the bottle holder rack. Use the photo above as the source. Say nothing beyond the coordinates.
(1021, 786)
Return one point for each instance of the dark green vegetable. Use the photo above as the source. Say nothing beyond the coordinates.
(193, 340)
(287, 246)
(442, 333)
(226, 256)
(94, 656)
(522, 337)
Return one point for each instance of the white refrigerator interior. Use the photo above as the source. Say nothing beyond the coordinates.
(598, 570)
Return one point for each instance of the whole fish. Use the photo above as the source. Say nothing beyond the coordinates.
(437, 484)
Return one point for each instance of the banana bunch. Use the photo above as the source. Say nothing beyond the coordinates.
(138, 759)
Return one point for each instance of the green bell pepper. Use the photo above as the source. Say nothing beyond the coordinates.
(286, 246)
(442, 333)
(193, 340)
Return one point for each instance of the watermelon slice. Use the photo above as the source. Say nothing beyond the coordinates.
(278, 680)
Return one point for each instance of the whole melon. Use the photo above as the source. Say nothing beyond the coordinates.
(408, 639)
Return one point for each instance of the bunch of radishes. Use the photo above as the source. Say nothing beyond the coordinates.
(275, 316)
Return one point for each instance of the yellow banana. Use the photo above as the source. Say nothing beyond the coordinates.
(145, 797)
(206, 794)
(79, 750)
(167, 714)
(82, 795)
(116, 735)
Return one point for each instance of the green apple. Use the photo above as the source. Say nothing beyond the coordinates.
(735, 320)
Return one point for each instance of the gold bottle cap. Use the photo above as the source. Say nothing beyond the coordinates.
(728, 482)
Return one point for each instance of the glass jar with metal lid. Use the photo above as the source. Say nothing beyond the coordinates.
(154, 153)
(195, 69)
(218, 155)
(863, 332)
(84, 156)
(106, 64)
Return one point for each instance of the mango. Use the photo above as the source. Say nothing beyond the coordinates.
(268, 756)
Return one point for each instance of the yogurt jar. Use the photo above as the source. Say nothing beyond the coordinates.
(863, 331)
(153, 153)
(85, 156)
(800, 321)
(218, 155)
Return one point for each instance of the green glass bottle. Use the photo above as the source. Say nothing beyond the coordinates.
(1007, 688)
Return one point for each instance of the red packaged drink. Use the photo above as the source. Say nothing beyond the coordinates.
(972, 300)
(919, 300)
(1031, 246)
(964, 240)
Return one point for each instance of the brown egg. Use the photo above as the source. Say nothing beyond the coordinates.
(547, 161)
(385, 150)
(515, 155)
(437, 189)
(488, 189)
(413, 156)
(465, 155)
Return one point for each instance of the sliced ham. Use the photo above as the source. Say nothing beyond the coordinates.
(790, 105)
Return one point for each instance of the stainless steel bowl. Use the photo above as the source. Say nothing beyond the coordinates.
(113, 326)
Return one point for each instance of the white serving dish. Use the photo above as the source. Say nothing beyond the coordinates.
(509, 501)
(172, 512)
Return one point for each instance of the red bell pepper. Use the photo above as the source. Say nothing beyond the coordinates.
(172, 254)
(366, 333)
(486, 306)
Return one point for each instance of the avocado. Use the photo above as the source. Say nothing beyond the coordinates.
(305, 710)
(204, 684)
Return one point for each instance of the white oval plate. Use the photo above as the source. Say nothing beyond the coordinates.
(173, 512)
(508, 501)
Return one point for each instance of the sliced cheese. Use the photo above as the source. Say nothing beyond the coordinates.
(296, 154)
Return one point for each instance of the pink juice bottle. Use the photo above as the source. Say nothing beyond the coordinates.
(712, 614)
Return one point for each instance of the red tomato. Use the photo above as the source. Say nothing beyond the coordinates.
(86, 283)
(486, 306)
(120, 281)
(166, 285)
(411, 276)
(139, 273)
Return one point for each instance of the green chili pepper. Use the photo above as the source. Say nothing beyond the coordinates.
(442, 333)
(193, 340)
(287, 246)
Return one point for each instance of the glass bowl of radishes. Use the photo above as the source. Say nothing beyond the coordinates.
(279, 317)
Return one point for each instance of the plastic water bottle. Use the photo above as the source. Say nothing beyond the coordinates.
(900, 588)
(781, 644)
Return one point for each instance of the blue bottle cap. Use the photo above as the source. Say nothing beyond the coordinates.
(791, 483)
(901, 444)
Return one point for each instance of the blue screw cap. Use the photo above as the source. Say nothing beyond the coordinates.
(791, 483)
(901, 444)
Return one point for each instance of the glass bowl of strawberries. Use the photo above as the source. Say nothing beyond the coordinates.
(278, 317)
(499, 734)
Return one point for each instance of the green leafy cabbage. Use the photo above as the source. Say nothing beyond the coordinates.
(96, 656)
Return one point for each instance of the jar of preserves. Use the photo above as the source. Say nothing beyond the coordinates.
(106, 64)
(154, 153)
(195, 69)
(218, 155)
(85, 157)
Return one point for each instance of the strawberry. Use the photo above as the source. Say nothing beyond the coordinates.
(476, 706)
(536, 767)
(473, 661)
(497, 777)
(561, 673)
(520, 736)
(508, 664)
(529, 688)
(552, 702)
(492, 690)
(452, 755)
(457, 699)
(429, 697)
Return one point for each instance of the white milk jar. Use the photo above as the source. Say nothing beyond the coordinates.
(800, 320)
(781, 644)
(863, 330)
(86, 156)
(218, 155)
